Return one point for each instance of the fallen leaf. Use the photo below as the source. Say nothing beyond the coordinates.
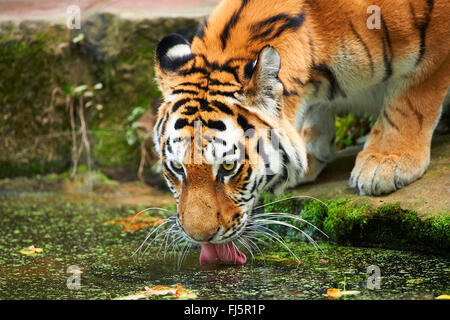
(323, 261)
(133, 297)
(76, 271)
(159, 290)
(133, 222)
(277, 258)
(415, 281)
(179, 293)
(334, 293)
(31, 250)
(443, 297)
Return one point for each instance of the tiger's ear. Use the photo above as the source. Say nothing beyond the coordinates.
(264, 90)
(172, 52)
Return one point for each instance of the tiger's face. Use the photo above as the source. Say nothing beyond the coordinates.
(220, 138)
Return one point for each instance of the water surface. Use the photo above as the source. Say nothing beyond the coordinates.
(73, 231)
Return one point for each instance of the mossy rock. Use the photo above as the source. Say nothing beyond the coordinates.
(387, 226)
(37, 58)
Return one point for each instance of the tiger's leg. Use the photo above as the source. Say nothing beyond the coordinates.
(398, 149)
(318, 131)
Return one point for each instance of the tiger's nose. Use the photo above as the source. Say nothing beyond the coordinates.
(203, 236)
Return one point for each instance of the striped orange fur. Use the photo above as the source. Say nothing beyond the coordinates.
(286, 67)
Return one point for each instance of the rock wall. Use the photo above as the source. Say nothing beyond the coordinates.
(42, 63)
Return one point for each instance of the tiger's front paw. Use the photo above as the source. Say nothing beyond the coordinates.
(378, 173)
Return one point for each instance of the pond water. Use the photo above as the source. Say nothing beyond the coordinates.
(74, 231)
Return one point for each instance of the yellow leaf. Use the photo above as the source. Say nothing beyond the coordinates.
(443, 297)
(31, 250)
(27, 251)
(335, 293)
(76, 271)
(179, 293)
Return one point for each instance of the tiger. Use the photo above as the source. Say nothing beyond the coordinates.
(249, 105)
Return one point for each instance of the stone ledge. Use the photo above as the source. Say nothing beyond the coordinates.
(429, 196)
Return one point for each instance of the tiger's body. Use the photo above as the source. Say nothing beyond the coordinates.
(286, 67)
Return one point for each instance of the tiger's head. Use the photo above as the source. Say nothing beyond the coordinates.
(222, 137)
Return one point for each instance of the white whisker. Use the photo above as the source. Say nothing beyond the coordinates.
(273, 235)
(288, 215)
(290, 198)
(154, 229)
(266, 222)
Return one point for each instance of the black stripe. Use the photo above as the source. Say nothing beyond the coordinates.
(422, 27)
(418, 115)
(232, 70)
(364, 44)
(215, 82)
(189, 111)
(262, 35)
(387, 51)
(169, 170)
(334, 85)
(204, 105)
(249, 173)
(261, 151)
(255, 185)
(218, 125)
(238, 172)
(224, 36)
(212, 124)
(184, 91)
(164, 123)
(258, 26)
(299, 82)
(249, 69)
(158, 124)
(181, 123)
(245, 125)
(225, 67)
(293, 23)
(270, 178)
(223, 93)
(386, 116)
(222, 107)
(197, 85)
(169, 146)
(288, 93)
(269, 25)
(178, 104)
(193, 70)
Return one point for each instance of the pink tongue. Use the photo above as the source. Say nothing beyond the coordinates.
(221, 253)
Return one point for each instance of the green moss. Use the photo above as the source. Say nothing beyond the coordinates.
(352, 223)
(344, 221)
(37, 58)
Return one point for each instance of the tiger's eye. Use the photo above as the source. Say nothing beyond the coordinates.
(177, 165)
(228, 166)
